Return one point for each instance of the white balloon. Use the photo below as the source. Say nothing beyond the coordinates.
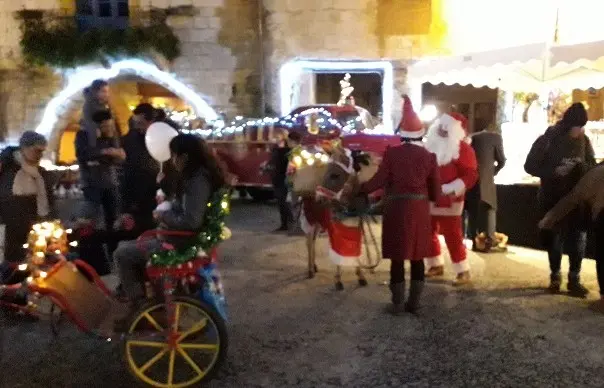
(158, 139)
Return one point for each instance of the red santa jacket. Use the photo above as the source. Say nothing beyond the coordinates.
(456, 177)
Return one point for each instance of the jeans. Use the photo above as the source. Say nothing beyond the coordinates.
(599, 236)
(131, 258)
(107, 199)
(482, 218)
(571, 240)
(285, 211)
(397, 271)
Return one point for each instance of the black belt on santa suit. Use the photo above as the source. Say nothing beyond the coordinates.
(408, 196)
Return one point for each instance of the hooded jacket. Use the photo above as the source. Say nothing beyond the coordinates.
(551, 150)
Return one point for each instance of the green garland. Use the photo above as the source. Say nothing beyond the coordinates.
(211, 235)
(60, 43)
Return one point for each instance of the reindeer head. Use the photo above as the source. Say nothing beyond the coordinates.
(344, 169)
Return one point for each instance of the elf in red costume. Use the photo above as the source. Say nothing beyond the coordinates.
(458, 173)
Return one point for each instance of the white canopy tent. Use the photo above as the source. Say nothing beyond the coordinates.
(534, 67)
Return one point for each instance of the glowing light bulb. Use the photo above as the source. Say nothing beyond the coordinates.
(22, 267)
(324, 158)
(43, 275)
(73, 244)
(305, 154)
(30, 279)
(318, 155)
(57, 233)
(58, 252)
(69, 231)
(224, 204)
(40, 254)
(310, 161)
(25, 246)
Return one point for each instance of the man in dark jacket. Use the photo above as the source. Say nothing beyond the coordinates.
(482, 198)
(278, 168)
(560, 157)
(141, 172)
(26, 196)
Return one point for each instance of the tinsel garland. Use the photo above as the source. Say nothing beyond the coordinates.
(214, 231)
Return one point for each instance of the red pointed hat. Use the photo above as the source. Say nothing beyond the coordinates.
(410, 126)
(462, 119)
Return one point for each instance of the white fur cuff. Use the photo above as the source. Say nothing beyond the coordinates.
(437, 261)
(457, 187)
(462, 266)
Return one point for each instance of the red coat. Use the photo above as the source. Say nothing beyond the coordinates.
(409, 174)
(457, 177)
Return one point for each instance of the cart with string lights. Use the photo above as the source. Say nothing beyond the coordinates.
(177, 338)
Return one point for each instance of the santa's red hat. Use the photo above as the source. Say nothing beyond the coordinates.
(462, 119)
(410, 126)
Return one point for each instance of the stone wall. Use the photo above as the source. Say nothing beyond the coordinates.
(222, 57)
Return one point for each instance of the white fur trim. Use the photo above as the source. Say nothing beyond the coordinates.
(304, 224)
(454, 210)
(412, 135)
(344, 261)
(462, 266)
(436, 261)
(457, 187)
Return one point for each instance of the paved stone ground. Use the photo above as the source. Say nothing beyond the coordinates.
(286, 330)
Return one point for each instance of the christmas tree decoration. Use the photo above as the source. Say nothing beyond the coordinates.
(213, 232)
(45, 240)
(346, 91)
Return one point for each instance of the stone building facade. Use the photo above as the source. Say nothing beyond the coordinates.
(232, 51)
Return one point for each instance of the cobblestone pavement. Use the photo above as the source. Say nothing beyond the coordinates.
(286, 330)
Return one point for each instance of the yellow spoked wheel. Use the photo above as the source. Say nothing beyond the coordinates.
(182, 356)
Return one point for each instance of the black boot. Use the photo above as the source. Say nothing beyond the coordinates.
(398, 295)
(415, 293)
(555, 280)
(575, 288)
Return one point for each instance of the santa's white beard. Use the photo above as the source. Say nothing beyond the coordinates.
(446, 149)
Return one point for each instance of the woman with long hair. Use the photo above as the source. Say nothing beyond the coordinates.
(199, 178)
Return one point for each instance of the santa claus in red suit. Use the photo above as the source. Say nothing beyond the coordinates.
(458, 173)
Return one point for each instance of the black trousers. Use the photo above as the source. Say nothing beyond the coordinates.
(285, 211)
(570, 240)
(599, 256)
(397, 271)
(106, 199)
(481, 218)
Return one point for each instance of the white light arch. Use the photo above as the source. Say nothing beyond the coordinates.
(80, 78)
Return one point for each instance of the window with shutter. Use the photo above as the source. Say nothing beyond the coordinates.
(102, 14)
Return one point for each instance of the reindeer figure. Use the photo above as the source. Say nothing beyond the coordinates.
(331, 182)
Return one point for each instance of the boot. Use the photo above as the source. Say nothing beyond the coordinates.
(555, 280)
(434, 272)
(415, 293)
(462, 279)
(398, 295)
(575, 288)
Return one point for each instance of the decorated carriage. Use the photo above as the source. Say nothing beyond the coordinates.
(178, 338)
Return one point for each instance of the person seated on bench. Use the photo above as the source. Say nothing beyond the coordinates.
(200, 177)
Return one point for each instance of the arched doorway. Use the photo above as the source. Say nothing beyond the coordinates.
(63, 109)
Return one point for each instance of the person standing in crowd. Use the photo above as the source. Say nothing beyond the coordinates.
(26, 196)
(96, 99)
(589, 190)
(139, 188)
(458, 174)
(278, 169)
(409, 174)
(98, 167)
(560, 157)
(482, 198)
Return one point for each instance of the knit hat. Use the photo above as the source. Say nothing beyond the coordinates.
(31, 138)
(575, 115)
(410, 126)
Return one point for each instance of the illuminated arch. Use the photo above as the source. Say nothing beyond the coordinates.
(78, 79)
